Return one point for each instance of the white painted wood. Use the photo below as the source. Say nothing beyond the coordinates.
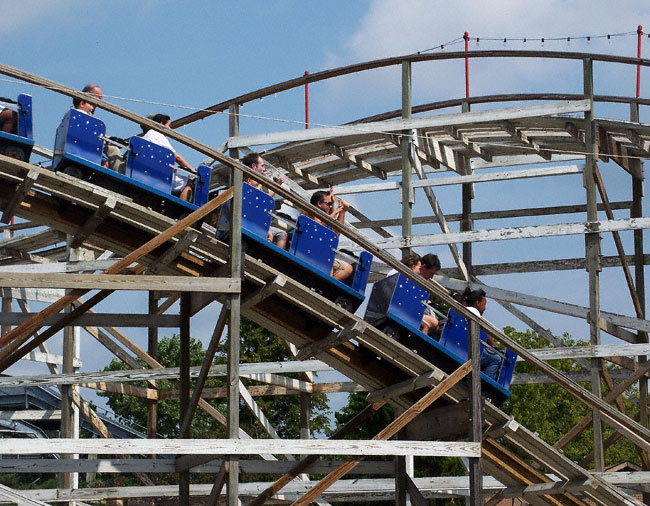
(14, 496)
(431, 487)
(599, 351)
(20, 446)
(157, 374)
(502, 234)
(564, 170)
(161, 465)
(92, 265)
(50, 358)
(283, 381)
(103, 320)
(31, 414)
(33, 294)
(441, 120)
(546, 304)
(120, 282)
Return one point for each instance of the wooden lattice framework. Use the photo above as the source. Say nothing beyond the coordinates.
(174, 261)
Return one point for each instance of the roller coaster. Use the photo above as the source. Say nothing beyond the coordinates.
(291, 293)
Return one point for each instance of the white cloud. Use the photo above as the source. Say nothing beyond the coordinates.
(395, 27)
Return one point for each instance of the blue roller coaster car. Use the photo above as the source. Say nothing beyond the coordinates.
(19, 144)
(396, 306)
(149, 167)
(311, 253)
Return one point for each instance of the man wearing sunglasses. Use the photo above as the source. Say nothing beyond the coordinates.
(325, 201)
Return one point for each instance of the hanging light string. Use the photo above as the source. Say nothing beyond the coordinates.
(542, 40)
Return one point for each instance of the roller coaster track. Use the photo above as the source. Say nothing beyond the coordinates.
(298, 315)
(302, 317)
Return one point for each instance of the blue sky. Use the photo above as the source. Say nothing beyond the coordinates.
(195, 54)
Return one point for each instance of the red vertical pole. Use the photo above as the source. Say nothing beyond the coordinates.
(466, 37)
(306, 101)
(639, 33)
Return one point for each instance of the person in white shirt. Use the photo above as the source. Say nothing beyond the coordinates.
(476, 302)
(181, 187)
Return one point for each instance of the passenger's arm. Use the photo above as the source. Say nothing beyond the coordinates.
(181, 161)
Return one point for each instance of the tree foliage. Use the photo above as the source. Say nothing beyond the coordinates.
(257, 345)
(551, 411)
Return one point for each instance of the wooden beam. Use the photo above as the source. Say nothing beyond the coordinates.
(121, 282)
(474, 148)
(441, 120)
(21, 446)
(515, 132)
(586, 420)
(173, 251)
(91, 224)
(344, 154)
(263, 292)
(563, 170)
(18, 197)
(307, 461)
(19, 335)
(406, 386)
(101, 320)
(389, 431)
(348, 332)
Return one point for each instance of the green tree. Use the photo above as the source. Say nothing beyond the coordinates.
(257, 345)
(551, 411)
(424, 466)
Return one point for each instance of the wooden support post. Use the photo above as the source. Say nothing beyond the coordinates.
(187, 416)
(592, 254)
(69, 412)
(361, 417)
(639, 280)
(475, 415)
(400, 480)
(6, 308)
(234, 317)
(466, 222)
(184, 373)
(407, 190)
(152, 349)
(389, 431)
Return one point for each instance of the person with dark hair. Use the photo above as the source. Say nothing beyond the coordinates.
(256, 162)
(430, 265)
(476, 303)
(8, 121)
(82, 105)
(181, 186)
(325, 200)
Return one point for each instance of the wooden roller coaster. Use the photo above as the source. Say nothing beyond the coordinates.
(112, 243)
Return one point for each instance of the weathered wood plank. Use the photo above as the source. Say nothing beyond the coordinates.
(564, 170)
(159, 465)
(19, 446)
(93, 222)
(156, 374)
(120, 282)
(441, 120)
(502, 234)
(18, 197)
(102, 320)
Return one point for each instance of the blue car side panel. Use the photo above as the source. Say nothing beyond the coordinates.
(256, 206)
(202, 185)
(79, 134)
(150, 164)
(406, 303)
(25, 116)
(314, 244)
